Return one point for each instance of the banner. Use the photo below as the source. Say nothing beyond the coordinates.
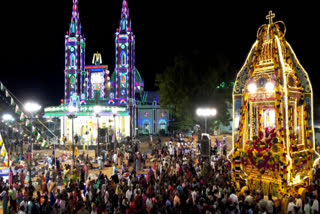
(3, 153)
(1, 140)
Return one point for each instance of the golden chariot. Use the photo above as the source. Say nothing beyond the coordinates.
(273, 148)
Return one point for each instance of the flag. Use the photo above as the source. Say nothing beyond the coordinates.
(3, 151)
(12, 102)
(28, 124)
(22, 117)
(6, 161)
(34, 131)
(2, 86)
(7, 93)
(16, 109)
(1, 140)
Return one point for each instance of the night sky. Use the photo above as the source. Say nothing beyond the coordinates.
(32, 37)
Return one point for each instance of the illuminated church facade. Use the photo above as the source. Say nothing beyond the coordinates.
(124, 105)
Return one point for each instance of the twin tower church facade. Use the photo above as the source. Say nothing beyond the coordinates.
(124, 106)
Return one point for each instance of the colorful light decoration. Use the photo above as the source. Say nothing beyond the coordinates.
(125, 60)
(74, 61)
(92, 83)
(274, 160)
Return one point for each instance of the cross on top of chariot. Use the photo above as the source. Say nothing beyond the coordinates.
(270, 17)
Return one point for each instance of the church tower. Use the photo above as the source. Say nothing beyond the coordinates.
(125, 59)
(125, 66)
(74, 56)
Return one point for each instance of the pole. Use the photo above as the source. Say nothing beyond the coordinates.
(115, 132)
(98, 134)
(21, 142)
(107, 141)
(30, 155)
(87, 156)
(205, 124)
(72, 137)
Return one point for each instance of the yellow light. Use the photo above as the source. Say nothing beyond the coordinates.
(252, 88)
(269, 87)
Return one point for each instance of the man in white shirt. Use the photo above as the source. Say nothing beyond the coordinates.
(194, 196)
(129, 194)
(291, 206)
(269, 207)
(234, 198)
(115, 158)
(299, 203)
(306, 208)
(315, 205)
(149, 205)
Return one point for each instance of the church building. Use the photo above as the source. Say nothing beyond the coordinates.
(95, 98)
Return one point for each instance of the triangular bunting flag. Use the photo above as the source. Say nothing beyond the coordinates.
(7, 93)
(28, 124)
(34, 131)
(17, 108)
(2, 86)
(12, 102)
(22, 117)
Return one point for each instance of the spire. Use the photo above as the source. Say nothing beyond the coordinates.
(75, 22)
(75, 12)
(125, 9)
(124, 22)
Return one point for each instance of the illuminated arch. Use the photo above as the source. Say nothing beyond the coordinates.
(162, 121)
(146, 126)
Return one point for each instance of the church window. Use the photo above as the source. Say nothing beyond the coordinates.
(73, 80)
(123, 24)
(123, 58)
(123, 79)
(73, 60)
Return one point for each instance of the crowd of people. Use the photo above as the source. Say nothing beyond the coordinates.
(173, 178)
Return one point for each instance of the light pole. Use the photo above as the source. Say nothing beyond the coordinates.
(97, 110)
(32, 108)
(114, 113)
(72, 113)
(206, 112)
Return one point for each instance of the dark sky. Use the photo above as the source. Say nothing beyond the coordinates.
(32, 32)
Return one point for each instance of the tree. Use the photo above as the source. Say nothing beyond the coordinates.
(192, 81)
